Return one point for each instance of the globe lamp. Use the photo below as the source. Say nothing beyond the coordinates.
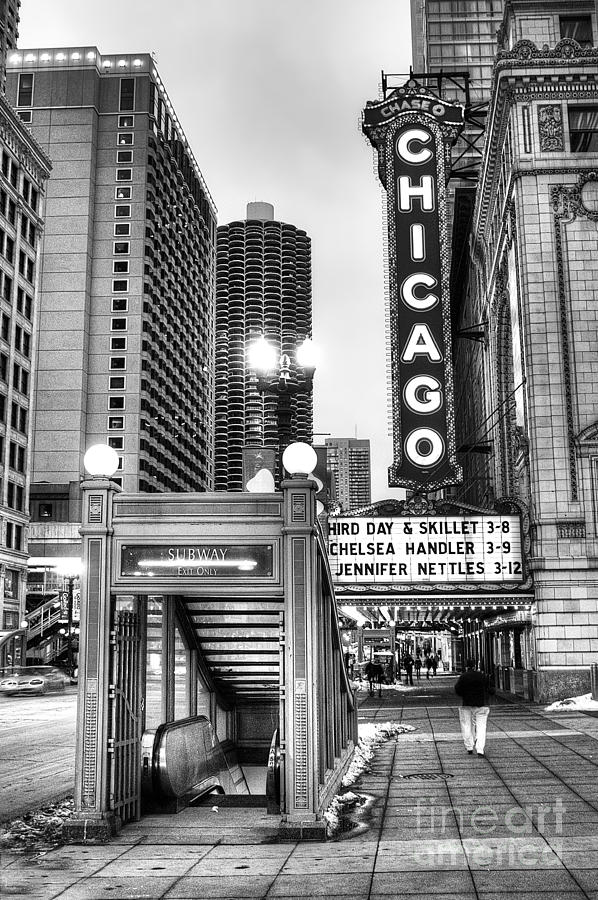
(299, 459)
(101, 461)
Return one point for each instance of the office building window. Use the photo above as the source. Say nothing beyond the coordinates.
(122, 247)
(124, 156)
(127, 94)
(116, 402)
(118, 343)
(118, 324)
(120, 304)
(117, 383)
(25, 90)
(122, 193)
(125, 139)
(583, 129)
(122, 229)
(14, 541)
(120, 285)
(122, 211)
(126, 121)
(117, 479)
(124, 174)
(116, 423)
(118, 362)
(579, 28)
(120, 267)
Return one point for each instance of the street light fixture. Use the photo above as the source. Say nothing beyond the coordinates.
(101, 461)
(275, 376)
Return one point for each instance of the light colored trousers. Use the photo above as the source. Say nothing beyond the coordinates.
(474, 720)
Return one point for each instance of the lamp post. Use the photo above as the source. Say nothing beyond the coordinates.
(70, 570)
(275, 375)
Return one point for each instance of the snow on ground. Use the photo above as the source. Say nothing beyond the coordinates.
(371, 735)
(582, 702)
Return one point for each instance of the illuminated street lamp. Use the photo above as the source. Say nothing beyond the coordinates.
(275, 373)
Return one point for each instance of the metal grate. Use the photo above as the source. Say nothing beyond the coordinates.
(425, 776)
(125, 718)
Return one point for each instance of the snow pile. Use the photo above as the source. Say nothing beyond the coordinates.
(340, 807)
(582, 702)
(371, 735)
(37, 832)
(398, 686)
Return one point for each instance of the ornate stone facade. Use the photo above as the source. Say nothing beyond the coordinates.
(534, 396)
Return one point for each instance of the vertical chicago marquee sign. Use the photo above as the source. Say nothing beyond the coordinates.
(412, 131)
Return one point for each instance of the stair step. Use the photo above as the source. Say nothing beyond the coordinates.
(246, 800)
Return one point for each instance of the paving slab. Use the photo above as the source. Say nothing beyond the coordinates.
(459, 827)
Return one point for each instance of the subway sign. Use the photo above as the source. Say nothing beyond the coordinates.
(197, 561)
(412, 133)
(425, 549)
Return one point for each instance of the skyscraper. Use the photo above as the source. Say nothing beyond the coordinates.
(24, 169)
(9, 25)
(263, 287)
(125, 336)
(349, 462)
(456, 37)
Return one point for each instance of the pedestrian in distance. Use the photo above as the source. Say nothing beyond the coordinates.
(474, 689)
(408, 663)
(370, 674)
(428, 664)
(434, 664)
(418, 667)
(379, 675)
(389, 672)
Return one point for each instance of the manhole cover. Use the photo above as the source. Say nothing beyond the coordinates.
(425, 776)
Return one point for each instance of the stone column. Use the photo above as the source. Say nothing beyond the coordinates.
(93, 820)
(301, 773)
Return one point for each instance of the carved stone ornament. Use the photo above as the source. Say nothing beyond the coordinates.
(418, 506)
(550, 127)
(571, 529)
(566, 50)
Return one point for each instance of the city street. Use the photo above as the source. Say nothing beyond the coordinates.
(37, 754)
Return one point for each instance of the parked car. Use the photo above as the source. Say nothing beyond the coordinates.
(34, 680)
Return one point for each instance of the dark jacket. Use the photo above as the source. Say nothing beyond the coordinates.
(473, 687)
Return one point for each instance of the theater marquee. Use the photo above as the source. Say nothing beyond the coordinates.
(425, 549)
(412, 132)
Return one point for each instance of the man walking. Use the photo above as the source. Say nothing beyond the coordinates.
(473, 687)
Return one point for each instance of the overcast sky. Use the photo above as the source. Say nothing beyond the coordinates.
(269, 94)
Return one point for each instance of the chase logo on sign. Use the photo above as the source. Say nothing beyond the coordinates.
(411, 131)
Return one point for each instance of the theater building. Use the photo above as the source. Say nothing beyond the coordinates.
(527, 416)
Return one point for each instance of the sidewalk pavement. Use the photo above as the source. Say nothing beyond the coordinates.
(523, 821)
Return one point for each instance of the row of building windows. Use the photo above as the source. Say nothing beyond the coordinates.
(22, 339)
(120, 266)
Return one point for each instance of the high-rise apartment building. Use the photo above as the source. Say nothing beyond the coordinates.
(263, 287)
(348, 459)
(124, 348)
